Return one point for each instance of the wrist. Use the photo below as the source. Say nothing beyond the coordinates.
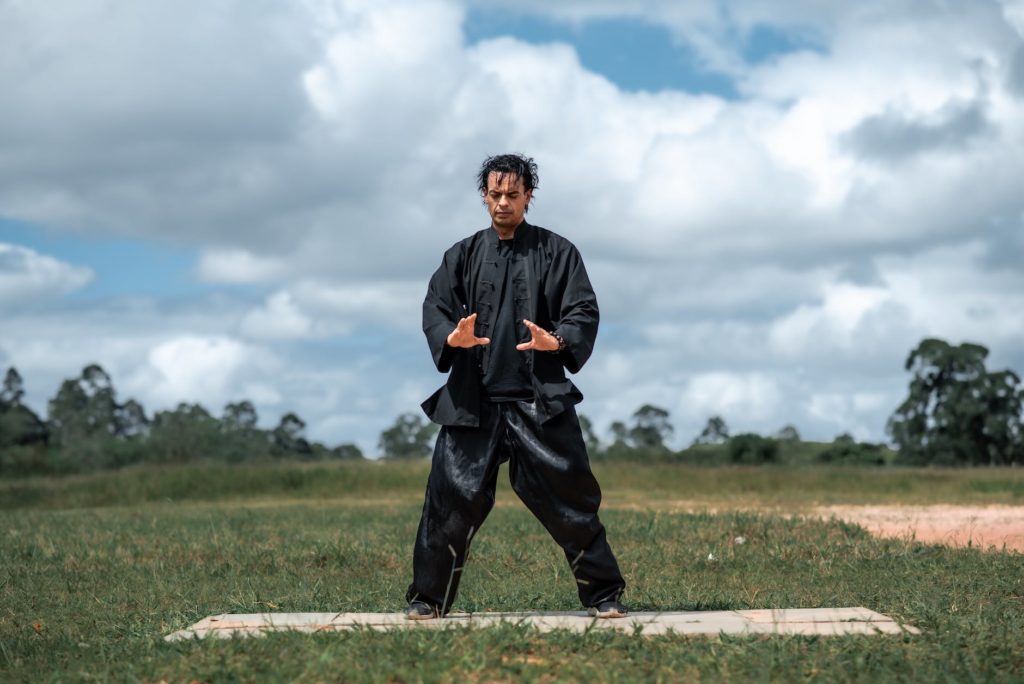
(560, 340)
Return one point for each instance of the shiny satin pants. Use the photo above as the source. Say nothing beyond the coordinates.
(550, 472)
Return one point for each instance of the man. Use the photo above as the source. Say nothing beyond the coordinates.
(509, 309)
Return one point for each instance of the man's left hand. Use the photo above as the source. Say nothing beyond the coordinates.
(540, 339)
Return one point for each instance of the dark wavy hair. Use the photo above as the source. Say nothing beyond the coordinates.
(518, 165)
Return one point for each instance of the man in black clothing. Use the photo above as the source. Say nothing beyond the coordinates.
(509, 309)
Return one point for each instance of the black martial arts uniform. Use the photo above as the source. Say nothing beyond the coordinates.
(500, 404)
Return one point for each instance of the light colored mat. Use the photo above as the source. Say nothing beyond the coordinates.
(822, 621)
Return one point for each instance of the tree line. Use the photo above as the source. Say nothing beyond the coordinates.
(88, 429)
(956, 413)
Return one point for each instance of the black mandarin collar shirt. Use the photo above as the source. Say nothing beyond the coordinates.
(550, 287)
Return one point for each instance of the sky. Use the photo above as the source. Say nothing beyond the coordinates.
(776, 201)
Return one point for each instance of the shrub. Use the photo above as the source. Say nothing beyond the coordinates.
(845, 450)
(753, 449)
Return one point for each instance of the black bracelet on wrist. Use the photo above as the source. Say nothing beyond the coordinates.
(561, 342)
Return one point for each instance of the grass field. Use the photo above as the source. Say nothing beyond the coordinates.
(94, 570)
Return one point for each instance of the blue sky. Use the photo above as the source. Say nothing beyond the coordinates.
(775, 200)
(631, 53)
(123, 266)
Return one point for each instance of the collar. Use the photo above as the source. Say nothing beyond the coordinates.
(521, 231)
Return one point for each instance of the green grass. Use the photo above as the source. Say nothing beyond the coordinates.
(624, 484)
(95, 570)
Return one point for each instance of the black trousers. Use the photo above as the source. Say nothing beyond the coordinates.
(550, 472)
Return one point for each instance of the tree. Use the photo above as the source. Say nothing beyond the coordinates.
(239, 417)
(408, 437)
(86, 407)
(130, 418)
(956, 411)
(185, 434)
(242, 439)
(19, 425)
(589, 437)
(620, 433)
(90, 428)
(81, 408)
(13, 389)
(715, 432)
(289, 437)
(620, 446)
(23, 436)
(788, 434)
(651, 428)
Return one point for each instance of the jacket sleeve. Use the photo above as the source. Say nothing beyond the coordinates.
(443, 307)
(576, 317)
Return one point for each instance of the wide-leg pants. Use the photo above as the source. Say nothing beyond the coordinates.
(550, 472)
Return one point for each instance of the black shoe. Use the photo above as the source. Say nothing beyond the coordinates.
(608, 609)
(418, 610)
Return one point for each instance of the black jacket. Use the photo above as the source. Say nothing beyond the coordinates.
(550, 288)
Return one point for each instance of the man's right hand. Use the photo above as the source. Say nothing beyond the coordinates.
(463, 335)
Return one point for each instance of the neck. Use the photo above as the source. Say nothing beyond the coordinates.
(506, 233)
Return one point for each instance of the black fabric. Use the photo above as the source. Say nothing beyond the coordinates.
(549, 471)
(506, 377)
(549, 286)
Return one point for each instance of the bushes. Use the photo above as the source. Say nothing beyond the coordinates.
(751, 448)
(845, 450)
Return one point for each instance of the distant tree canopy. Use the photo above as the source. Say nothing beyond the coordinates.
(651, 428)
(788, 434)
(410, 436)
(714, 432)
(289, 437)
(956, 411)
(19, 426)
(13, 389)
(88, 429)
(646, 436)
(589, 436)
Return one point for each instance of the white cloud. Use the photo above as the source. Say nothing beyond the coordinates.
(199, 369)
(278, 318)
(27, 276)
(771, 258)
(833, 323)
(239, 266)
(853, 413)
(753, 396)
(1013, 10)
(315, 309)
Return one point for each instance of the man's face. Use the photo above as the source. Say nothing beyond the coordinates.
(506, 200)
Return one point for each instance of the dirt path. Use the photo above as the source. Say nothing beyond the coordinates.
(977, 526)
(953, 525)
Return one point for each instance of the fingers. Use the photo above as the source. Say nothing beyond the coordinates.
(540, 339)
(534, 331)
(463, 335)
